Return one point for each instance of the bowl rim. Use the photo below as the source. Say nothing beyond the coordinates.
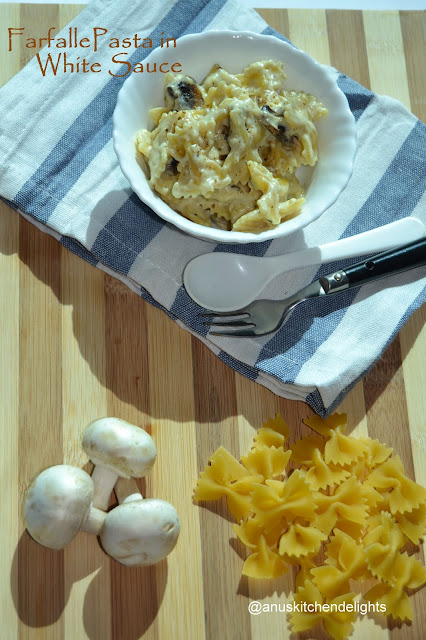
(212, 234)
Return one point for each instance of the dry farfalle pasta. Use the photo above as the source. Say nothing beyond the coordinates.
(349, 498)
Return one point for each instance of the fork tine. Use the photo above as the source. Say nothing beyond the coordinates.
(229, 323)
(222, 314)
(235, 331)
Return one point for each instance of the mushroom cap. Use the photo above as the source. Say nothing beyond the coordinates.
(56, 504)
(119, 446)
(140, 532)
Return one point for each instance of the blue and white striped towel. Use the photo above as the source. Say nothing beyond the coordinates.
(58, 168)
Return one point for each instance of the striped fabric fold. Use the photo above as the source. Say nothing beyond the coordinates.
(59, 170)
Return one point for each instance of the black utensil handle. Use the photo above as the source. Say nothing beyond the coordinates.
(379, 266)
(387, 263)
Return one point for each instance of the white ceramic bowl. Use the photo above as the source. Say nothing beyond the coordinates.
(234, 50)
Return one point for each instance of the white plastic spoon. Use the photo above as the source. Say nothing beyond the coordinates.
(229, 281)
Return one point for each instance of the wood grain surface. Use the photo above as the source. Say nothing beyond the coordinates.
(75, 344)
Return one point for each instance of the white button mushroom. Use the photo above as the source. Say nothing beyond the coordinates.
(149, 528)
(58, 504)
(140, 532)
(118, 449)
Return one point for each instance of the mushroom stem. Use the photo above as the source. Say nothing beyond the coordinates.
(127, 490)
(94, 521)
(116, 448)
(103, 480)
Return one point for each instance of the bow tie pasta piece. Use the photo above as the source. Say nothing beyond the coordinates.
(330, 581)
(261, 76)
(255, 221)
(357, 468)
(320, 475)
(372, 498)
(306, 564)
(283, 502)
(382, 530)
(327, 426)
(266, 437)
(394, 599)
(273, 433)
(345, 560)
(268, 462)
(345, 553)
(303, 621)
(250, 531)
(338, 623)
(274, 191)
(302, 451)
(377, 453)
(408, 573)
(225, 476)
(413, 523)
(301, 540)
(401, 493)
(341, 449)
(337, 545)
(381, 547)
(345, 507)
(264, 562)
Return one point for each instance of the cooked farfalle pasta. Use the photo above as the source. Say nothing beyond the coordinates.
(224, 153)
(346, 514)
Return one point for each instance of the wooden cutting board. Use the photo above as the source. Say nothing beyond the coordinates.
(75, 344)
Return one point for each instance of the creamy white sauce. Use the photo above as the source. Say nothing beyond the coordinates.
(231, 160)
